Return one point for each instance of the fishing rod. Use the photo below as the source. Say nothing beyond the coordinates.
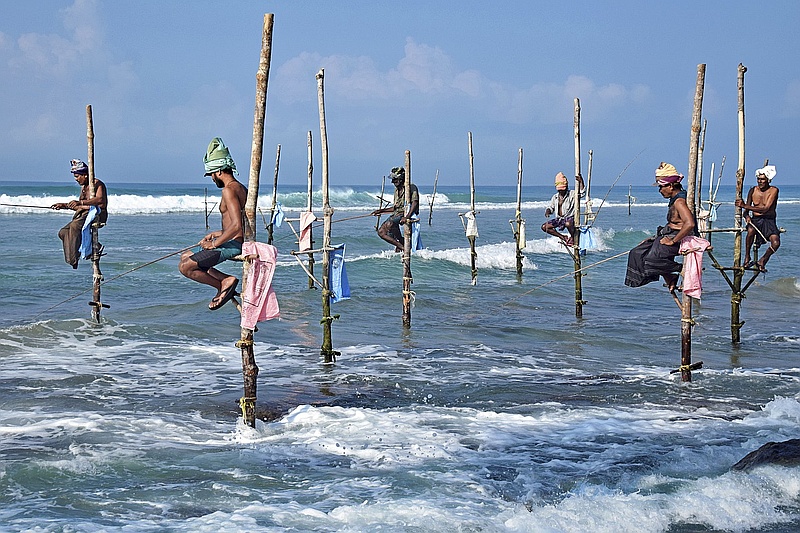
(603, 201)
(23, 205)
(566, 275)
(116, 277)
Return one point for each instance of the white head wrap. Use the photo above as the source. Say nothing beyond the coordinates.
(769, 171)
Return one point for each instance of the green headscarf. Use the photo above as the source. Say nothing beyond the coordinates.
(218, 157)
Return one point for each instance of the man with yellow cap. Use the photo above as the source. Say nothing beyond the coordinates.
(219, 246)
(655, 256)
(761, 223)
(562, 209)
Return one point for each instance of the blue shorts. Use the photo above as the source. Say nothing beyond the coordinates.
(206, 259)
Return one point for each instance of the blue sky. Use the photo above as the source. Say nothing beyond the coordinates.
(164, 77)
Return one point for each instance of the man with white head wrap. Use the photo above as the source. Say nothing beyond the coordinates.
(761, 220)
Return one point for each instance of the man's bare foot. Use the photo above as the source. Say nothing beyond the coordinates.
(761, 267)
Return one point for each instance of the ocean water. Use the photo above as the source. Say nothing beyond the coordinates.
(497, 410)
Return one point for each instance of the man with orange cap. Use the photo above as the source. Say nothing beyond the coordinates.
(562, 205)
(655, 256)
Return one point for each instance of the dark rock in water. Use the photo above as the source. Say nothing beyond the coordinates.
(786, 453)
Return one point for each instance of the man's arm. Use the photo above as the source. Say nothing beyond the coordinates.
(580, 185)
(231, 220)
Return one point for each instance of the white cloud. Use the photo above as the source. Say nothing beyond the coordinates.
(426, 75)
(792, 98)
(54, 55)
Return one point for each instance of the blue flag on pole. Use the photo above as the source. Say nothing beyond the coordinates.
(278, 216)
(337, 274)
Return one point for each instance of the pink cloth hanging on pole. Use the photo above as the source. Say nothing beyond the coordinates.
(259, 301)
(306, 219)
(692, 249)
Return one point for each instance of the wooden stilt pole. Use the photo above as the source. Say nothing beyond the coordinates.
(686, 305)
(433, 197)
(327, 352)
(630, 199)
(473, 254)
(738, 273)
(407, 277)
(380, 204)
(576, 255)
(97, 275)
(271, 225)
(588, 217)
(245, 343)
(519, 233)
(308, 208)
(699, 201)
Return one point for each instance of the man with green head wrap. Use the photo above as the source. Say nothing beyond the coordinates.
(219, 246)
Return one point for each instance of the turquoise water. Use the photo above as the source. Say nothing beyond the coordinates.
(497, 410)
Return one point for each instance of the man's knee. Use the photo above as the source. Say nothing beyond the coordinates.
(186, 264)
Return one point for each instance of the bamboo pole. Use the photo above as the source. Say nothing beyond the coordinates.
(589, 215)
(249, 367)
(518, 233)
(327, 352)
(630, 198)
(738, 273)
(473, 254)
(308, 208)
(433, 197)
(699, 201)
(97, 274)
(380, 204)
(576, 256)
(407, 277)
(686, 304)
(271, 225)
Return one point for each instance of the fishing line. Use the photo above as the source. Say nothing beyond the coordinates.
(603, 201)
(566, 275)
(116, 277)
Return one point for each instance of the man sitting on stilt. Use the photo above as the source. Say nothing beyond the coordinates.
(219, 246)
(761, 225)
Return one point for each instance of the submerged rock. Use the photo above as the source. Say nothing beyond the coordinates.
(786, 453)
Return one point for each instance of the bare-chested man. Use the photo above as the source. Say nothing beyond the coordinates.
(761, 225)
(656, 256)
(219, 246)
